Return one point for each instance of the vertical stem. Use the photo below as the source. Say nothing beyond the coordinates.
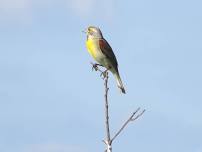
(108, 140)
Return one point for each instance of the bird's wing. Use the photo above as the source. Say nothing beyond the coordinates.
(107, 51)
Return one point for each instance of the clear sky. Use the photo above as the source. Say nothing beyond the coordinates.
(51, 101)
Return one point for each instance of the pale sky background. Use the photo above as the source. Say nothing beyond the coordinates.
(51, 101)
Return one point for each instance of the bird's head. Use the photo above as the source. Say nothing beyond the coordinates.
(93, 32)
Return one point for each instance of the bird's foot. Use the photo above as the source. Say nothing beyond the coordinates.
(95, 66)
(104, 74)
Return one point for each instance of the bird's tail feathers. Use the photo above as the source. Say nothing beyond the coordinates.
(119, 83)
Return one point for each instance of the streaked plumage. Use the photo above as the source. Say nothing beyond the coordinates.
(102, 52)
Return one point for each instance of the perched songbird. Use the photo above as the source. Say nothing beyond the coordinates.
(101, 51)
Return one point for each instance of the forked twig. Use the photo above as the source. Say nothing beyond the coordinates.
(131, 118)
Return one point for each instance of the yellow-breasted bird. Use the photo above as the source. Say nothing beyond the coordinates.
(102, 52)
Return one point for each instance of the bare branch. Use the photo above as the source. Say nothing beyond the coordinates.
(125, 124)
(107, 109)
(108, 141)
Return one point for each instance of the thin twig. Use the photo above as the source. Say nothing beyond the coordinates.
(125, 124)
(107, 141)
(107, 109)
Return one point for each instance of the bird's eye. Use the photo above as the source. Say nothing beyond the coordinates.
(90, 31)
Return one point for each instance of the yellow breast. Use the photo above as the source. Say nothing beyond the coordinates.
(93, 47)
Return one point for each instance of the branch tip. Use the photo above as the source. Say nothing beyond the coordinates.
(133, 119)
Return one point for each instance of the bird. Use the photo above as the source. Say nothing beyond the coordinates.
(102, 53)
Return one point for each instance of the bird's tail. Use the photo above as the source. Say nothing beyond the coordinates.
(119, 82)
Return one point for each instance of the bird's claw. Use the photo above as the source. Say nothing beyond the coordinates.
(95, 67)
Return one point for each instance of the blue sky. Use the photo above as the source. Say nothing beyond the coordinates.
(51, 101)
